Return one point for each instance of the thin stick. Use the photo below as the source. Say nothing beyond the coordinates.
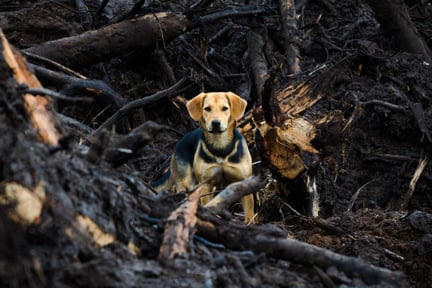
(355, 196)
(55, 64)
(420, 167)
(60, 96)
(123, 111)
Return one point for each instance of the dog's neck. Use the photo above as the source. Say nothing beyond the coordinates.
(220, 144)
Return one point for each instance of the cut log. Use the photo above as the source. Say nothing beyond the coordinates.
(95, 46)
(39, 108)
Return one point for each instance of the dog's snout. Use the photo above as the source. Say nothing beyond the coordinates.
(216, 124)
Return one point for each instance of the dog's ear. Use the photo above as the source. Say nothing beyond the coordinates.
(194, 106)
(238, 105)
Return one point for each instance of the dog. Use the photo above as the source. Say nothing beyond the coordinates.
(215, 154)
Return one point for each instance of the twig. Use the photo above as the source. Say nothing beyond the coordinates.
(123, 111)
(419, 170)
(60, 96)
(244, 10)
(356, 194)
(55, 64)
(388, 105)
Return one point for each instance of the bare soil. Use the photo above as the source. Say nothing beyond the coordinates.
(369, 146)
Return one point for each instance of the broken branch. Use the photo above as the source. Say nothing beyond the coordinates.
(39, 108)
(233, 193)
(179, 228)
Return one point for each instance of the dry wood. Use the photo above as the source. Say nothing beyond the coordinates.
(419, 170)
(95, 46)
(40, 110)
(179, 228)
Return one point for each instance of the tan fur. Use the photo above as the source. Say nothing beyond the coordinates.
(225, 108)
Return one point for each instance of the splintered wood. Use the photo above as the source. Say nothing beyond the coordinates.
(180, 228)
(38, 107)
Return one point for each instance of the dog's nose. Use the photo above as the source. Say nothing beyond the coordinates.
(216, 124)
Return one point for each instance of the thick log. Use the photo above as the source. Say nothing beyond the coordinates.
(95, 46)
(39, 108)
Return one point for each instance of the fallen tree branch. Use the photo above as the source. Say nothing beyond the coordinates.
(123, 111)
(55, 64)
(233, 193)
(39, 108)
(56, 95)
(96, 88)
(179, 228)
(95, 46)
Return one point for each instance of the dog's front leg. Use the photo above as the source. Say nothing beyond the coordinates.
(248, 209)
(208, 177)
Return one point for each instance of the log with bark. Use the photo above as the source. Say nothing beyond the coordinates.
(95, 46)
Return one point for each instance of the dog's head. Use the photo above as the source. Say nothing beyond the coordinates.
(216, 110)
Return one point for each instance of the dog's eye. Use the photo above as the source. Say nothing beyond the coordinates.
(225, 108)
(208, 109)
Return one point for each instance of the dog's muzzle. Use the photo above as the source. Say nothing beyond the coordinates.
(215, 127)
